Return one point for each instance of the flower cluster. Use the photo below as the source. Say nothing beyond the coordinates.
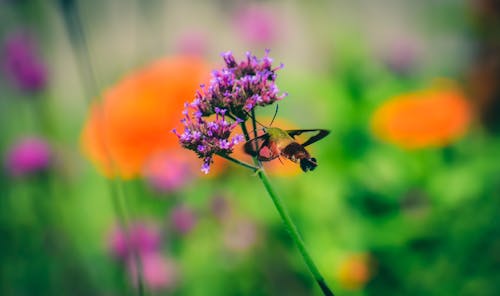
(240, 86)
(234, 91)
(207, 138)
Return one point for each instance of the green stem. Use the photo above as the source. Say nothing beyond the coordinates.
(78, 40)
(245, 131)
(254, 124)
(294, 233)
(289, 225)
(120, 205)
(242, 163)
(255, 134)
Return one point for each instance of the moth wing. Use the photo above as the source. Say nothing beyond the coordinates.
(318, 134)
(259, 147)
(253, 146)
(266, 154)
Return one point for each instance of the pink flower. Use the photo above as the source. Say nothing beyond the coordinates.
(144, 238)
(240, 235)
(183, 219)
(192, 43)
(257, 24)
(169, 171)
(27, 156)
(402, 55)
(158, 272)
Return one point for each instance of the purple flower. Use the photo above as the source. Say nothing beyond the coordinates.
(233, 92)
(23, 64)
(207, 138)
(144, 238)
(28, 156)
(158, 272)
(183, 219)
(240, 86)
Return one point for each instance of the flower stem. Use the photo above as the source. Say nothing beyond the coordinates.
(289, 225)
(254, 124)
(294, 233)
(78, 40)
(242, 163)
(120, 205)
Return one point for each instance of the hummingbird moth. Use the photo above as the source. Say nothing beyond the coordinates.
(276, 142)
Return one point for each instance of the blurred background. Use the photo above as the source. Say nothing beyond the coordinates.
(405, 200)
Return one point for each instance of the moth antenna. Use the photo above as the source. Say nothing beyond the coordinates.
(248, 114)
(259, 129)
(274, 116)
(260, 123)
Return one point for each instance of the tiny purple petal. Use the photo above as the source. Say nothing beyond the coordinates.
(237, 139)
(229, 59)
(224, 144)
(205, 168)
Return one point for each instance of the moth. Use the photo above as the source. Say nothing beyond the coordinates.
(276, 142)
